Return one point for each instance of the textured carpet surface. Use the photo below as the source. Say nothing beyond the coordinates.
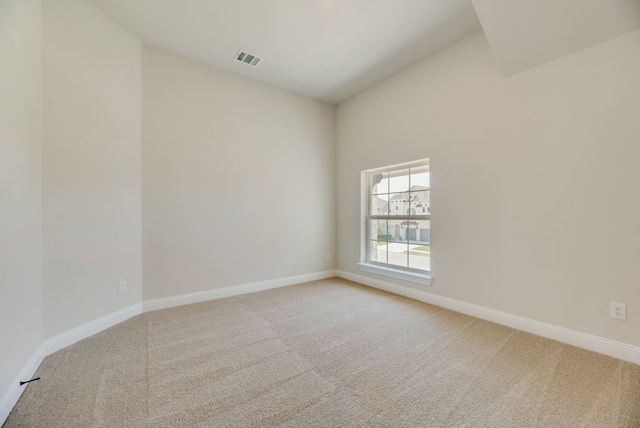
(325, 354)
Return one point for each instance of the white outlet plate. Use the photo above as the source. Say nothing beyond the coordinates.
(328, 257)
(618, 311)
(122, 287)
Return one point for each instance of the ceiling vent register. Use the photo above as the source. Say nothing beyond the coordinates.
(247, 58)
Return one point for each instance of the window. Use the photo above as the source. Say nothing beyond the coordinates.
(397, 225)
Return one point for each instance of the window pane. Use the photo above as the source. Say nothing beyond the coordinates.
(419, 204)
(420, 258)
(420, 178)
(420, 245)
(378, 230)
(399, 181)
(378, 251)
(379, 205)
(397, 251)
(379, 182)
(422, 234)
(399, 204)
(402, 243)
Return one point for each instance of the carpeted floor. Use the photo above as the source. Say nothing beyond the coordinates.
(325, 354)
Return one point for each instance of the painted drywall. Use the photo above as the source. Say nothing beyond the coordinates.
(92, 183)
(534, 178)
(238, 179)
(20, 186)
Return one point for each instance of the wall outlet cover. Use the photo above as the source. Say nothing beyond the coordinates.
(618, 311)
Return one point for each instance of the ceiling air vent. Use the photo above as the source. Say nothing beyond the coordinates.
(248, 58)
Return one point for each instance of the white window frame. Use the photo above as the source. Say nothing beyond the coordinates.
(398, 272)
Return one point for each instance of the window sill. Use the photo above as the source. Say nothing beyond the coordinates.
(419, 278)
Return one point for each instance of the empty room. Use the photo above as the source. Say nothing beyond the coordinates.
(319, 213)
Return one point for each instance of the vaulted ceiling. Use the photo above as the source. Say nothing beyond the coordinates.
(325, 49)
(332, 49)
(527, 33)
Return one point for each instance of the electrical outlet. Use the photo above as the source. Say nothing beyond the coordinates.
(122, 287)
(328, 257)
(618, 311)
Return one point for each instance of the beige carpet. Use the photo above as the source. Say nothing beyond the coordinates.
(325, 354)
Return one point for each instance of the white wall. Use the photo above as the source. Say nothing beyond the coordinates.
(238, 179)
(92, 183)
(20, 187)
(535, 178)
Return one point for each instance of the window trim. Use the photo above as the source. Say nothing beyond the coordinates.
(403, 274)
(398, 272)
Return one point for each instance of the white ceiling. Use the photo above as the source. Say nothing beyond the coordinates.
(325, 49)
(332, 49)
(527, 33)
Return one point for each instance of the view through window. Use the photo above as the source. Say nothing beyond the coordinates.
(398, 217)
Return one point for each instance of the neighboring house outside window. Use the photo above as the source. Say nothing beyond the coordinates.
(397, 223)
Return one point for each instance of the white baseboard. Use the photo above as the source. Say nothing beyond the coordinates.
(89, 329)
(598, 344)
(49, 346)
(13, 393)
(620, 350)
(220, 293)
(70, 337)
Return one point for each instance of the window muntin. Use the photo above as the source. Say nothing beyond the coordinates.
(398, 225)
